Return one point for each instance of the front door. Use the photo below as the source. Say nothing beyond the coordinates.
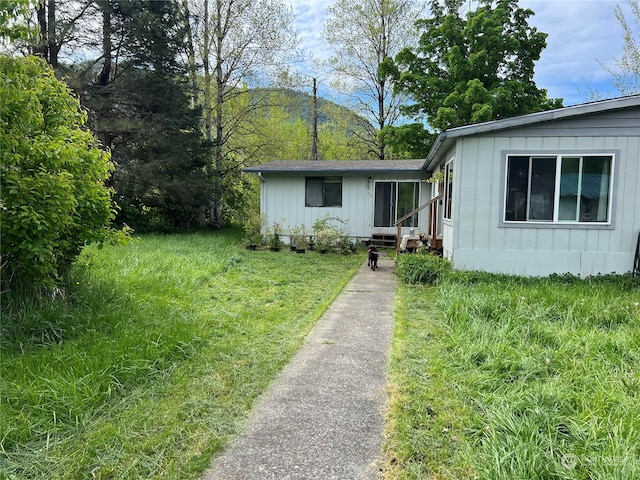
(393, 200)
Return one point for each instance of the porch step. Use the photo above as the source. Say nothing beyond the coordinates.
(383, 240)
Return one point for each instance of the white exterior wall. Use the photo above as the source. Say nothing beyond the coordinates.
(479, 241)
(282, 199)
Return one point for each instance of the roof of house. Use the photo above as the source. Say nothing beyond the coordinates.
(335, 167)
(446, 138)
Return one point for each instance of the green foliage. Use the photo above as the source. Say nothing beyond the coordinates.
(155, 357)
(409, 141)
(54, 198)
(253, 229)
(299, 237)
(425, 268)
(502, 377)
(274, 236)
(472, 70)
(13, 20)
(327, 235)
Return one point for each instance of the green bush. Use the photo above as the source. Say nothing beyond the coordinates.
(52, 176)
(422, 268)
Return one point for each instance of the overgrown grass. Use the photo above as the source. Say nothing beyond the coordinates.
(495, 377)
(150, 364)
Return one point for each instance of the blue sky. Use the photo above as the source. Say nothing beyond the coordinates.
(582, 33)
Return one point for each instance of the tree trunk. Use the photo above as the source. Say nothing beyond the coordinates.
(52, 44)
(191, 55)
(216, 218)
(105, 73)
(41, 48)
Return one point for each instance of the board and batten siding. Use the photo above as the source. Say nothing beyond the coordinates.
(481, 241)
(282, 200)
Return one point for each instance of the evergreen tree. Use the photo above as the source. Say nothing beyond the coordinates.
(142, 110)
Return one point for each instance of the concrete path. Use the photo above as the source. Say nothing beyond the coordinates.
(323, 417)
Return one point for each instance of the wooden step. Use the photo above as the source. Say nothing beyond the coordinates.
(383, 240)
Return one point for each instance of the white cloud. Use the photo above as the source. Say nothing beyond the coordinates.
(581, 33)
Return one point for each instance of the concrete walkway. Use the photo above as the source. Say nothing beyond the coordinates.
(323, 417)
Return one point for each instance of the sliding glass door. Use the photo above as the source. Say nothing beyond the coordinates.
(393, 200)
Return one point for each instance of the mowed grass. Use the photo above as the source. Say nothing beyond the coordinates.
(150, 364)
(495, 377)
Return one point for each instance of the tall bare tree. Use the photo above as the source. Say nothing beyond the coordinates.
(626, 74)
(363, 33)
(236, 44)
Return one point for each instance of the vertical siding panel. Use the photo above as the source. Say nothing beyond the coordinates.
(628, 194)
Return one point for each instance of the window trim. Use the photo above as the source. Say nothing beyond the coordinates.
(563, 224)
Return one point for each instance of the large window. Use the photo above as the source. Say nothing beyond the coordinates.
(558, 189)
(323, 192)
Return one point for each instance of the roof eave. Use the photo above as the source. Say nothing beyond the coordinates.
(448, 136)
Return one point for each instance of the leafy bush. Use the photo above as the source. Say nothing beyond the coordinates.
(52, 176)
(422, 268)
(326, 234)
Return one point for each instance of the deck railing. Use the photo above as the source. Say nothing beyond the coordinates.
(433, 220)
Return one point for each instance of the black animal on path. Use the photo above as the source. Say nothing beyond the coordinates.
(372, 260)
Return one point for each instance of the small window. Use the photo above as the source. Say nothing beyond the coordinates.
(323, 192)
(558, 189)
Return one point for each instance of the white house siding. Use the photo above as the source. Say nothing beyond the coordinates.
(283, 195)
(479, 241)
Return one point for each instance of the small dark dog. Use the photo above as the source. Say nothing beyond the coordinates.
(372, 260)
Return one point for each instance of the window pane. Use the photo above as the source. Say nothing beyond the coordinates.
(407, 201)
(569, 184)
(517, 186)
(594, 195)
(313, 192)
(542, 188)
(333, 192)
(385, 196)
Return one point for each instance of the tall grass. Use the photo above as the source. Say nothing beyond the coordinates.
(151, 360)
(504, 378)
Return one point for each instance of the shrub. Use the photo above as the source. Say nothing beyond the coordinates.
(52, 176)
(422, 268)
(326, 234)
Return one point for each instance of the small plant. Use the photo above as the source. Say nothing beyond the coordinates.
(436, 178)
(298, 237)
(311, 243)
(274, 237)
(345, 245)
(252, 230)
(327, 239)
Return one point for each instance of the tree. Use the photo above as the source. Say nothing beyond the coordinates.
(13, 20)
(236, 43)
(53, 197)
(473, 70)
(626, 71)
(141, 108)
(364, 33)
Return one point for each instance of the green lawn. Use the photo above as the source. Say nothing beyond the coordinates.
(503, 378)
(151, 362)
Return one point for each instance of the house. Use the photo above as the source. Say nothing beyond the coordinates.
(549, 192)
(369, 195)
